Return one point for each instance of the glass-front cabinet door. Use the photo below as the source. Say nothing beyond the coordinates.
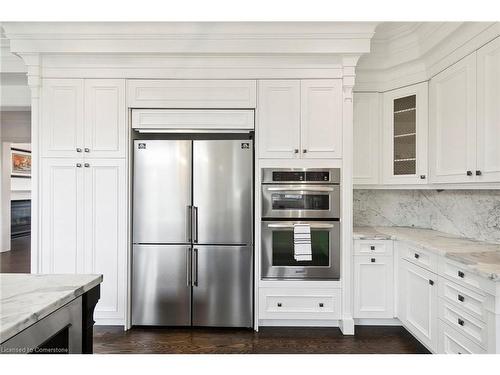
(405, 135)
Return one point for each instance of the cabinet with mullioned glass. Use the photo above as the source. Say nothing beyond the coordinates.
(405, 125)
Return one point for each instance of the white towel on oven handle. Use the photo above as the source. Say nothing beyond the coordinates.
(302, 250)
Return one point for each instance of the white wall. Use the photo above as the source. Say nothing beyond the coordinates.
(15, 127)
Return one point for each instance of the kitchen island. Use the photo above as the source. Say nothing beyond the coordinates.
(47, 313)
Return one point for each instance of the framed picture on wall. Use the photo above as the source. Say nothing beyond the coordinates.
(20, 163)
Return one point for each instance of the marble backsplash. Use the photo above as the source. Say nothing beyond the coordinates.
(468, 213)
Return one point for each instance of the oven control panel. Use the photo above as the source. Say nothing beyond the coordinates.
(311, 175)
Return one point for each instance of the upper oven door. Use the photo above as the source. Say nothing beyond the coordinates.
(300, 201)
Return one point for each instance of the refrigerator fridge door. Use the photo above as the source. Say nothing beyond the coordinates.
(162, 191)
(222, 286)
(222, 192)
(161, 290)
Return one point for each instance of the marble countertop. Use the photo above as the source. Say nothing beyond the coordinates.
(26, 298)
(482, 258)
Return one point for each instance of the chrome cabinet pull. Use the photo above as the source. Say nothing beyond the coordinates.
(195, 265)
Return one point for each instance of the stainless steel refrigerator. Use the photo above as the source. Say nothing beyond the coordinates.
(193, 233)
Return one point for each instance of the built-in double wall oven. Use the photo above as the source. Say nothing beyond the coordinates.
(291, 198)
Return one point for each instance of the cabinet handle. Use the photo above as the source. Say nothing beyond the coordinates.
(469, 173)
(321, 304)
(78, 165)
(78, 149)
(461, 274)
(461, 298)
(422, 176)
(87, 149)
(304, 151)
(461, 322)
(416, 256)
(372, 260)
(372, 247)
(431, 282)
(279, 304)
(478, 173)
(296, 151)
(86, 165)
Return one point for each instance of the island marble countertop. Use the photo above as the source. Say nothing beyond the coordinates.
(482, 258)
(28, 298)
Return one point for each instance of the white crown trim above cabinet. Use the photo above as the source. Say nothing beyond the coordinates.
(191, 94)
(300, 119)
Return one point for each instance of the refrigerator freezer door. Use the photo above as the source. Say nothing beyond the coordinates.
(222, 191)
(161, 291)
(222, 291)
(162, 191)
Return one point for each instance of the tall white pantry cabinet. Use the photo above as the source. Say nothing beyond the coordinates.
(83, 185)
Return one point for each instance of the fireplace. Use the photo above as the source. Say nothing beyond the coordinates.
(20, 218)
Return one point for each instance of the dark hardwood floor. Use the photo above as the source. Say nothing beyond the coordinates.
(269, 340)
(17, 260)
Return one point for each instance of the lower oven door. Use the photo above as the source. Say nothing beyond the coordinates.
(278, 260)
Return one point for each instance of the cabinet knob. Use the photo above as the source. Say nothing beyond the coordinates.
(461, 274)
(417, 256)
(87, 149)
(304, 151)
(431, 282)
(372, 260)
(469, 173)
(78, 149)
(87, 165)
(296, 151)
(422, 176)
(78, 165)
(372, 247)
(461, 322)
(461, 298)
(478, 173)
(321, 304)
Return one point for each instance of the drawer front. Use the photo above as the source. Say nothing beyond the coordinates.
(277, 303)
(453, 342)
(420, 257)
(367, 247)
(470, 301)
(467, 325)
(459, 274)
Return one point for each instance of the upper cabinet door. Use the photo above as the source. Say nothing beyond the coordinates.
(321, 118)
(279, 119)
(453, 122)
(62, 118)
(105, 118)
(405, 140)
(488, 113)
(366, 138)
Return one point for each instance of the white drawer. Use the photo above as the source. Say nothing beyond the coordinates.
(467, 325)
(458, 295)
(375, 247)
(423, 258)
(303, 303)
(453, 342)
(458, 273)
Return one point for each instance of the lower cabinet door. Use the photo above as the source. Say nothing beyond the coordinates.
(418, 300)
(105, 234)
(453, 342)
(223, 286)
(373, 286)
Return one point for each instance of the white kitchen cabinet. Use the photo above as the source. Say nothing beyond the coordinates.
(84, 225)
(62, 117)
(321, 118)
(105, 232)
(418, 299)
(373, 286)
(452, 137)
(405, 133)
(105, 128)
(488, 113)
(300, 118)
(83, 118)
(367, 149)
(61, 221)
(279, 118)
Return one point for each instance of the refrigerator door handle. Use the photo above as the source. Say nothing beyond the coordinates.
(190, 223)
(195, 268)
(189, 260)
(195, 224)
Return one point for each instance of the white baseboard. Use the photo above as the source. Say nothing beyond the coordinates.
(109, 322)
(297, 323)
(377, 322)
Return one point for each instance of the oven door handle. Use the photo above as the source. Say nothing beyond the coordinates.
(313, 226)
(301, 188)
